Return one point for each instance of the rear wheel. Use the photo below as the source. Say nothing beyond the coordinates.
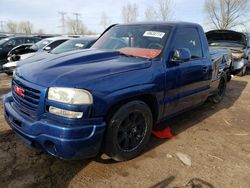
(128, 131)
(220, 92)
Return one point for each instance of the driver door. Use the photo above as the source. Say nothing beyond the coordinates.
(190, 76)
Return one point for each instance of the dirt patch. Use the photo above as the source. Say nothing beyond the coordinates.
(215, 137)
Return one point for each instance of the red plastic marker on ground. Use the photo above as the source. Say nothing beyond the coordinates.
(163, 134)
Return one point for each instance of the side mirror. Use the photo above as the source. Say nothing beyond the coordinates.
(34, 47)
(47, 48)
(181, 55)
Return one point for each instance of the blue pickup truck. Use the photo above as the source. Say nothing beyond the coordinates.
(110, 97)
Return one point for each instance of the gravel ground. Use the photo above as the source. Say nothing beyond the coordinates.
(213, 139)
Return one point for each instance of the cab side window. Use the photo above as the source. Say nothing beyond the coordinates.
(189, 38)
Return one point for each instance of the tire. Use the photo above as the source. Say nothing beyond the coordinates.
(243, 71)
(229, 78)
(220, 92)
(9, 73)
(128, 131)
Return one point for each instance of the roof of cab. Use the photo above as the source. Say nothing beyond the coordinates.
(173, 24)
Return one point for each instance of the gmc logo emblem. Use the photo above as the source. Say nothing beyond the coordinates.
(19, 91)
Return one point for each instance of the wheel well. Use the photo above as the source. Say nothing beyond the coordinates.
(224, 76)
(149, 99)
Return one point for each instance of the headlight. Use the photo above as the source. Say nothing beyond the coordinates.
(70, 95)
(65, 113)
(238, 55)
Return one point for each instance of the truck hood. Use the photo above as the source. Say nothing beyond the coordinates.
(76, 69)
(227, 35)
(33, 57)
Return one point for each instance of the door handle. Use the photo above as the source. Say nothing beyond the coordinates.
(205, 69)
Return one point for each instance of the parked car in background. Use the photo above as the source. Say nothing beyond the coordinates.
(74, 44)
(47, 44)
(108, 98)
(236, 43)
(18, 50)
(9, 43)
(3, 36)
(45, 36)
(70, 45)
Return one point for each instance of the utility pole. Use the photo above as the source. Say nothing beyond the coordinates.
(62, 14)
(77, 21)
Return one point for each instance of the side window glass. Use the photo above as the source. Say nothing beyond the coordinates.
(30, 40)
(19, 41)
(56, 43)
(189, 38)
(11, 42)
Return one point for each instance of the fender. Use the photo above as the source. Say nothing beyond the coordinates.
(132, 92)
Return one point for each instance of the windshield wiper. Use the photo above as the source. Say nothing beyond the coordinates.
(127, 55)
(130, 55)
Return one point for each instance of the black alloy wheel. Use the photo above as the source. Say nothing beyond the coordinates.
(128, 131)
(131, 131)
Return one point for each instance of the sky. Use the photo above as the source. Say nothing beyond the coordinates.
(43, 14)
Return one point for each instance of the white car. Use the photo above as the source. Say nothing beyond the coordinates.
(47, 44)
(70, 45)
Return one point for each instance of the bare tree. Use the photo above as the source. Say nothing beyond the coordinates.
(105, 20)
(89, 32)
(227, 14)
(75, 27)
(25, 27)
(2, 23)
(12, 26)
(129, 13)
(162, 11)
(150, 14)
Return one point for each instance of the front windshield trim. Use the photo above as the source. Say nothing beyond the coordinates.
(135, 33)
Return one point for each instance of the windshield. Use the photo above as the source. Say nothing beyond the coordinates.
(2, 41)
(41, 44)
(146, 41)
(70, 45)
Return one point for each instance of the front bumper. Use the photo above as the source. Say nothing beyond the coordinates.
(2, 62)
(238, 65)
(9, 67)
(8, 70)
(65, 142)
